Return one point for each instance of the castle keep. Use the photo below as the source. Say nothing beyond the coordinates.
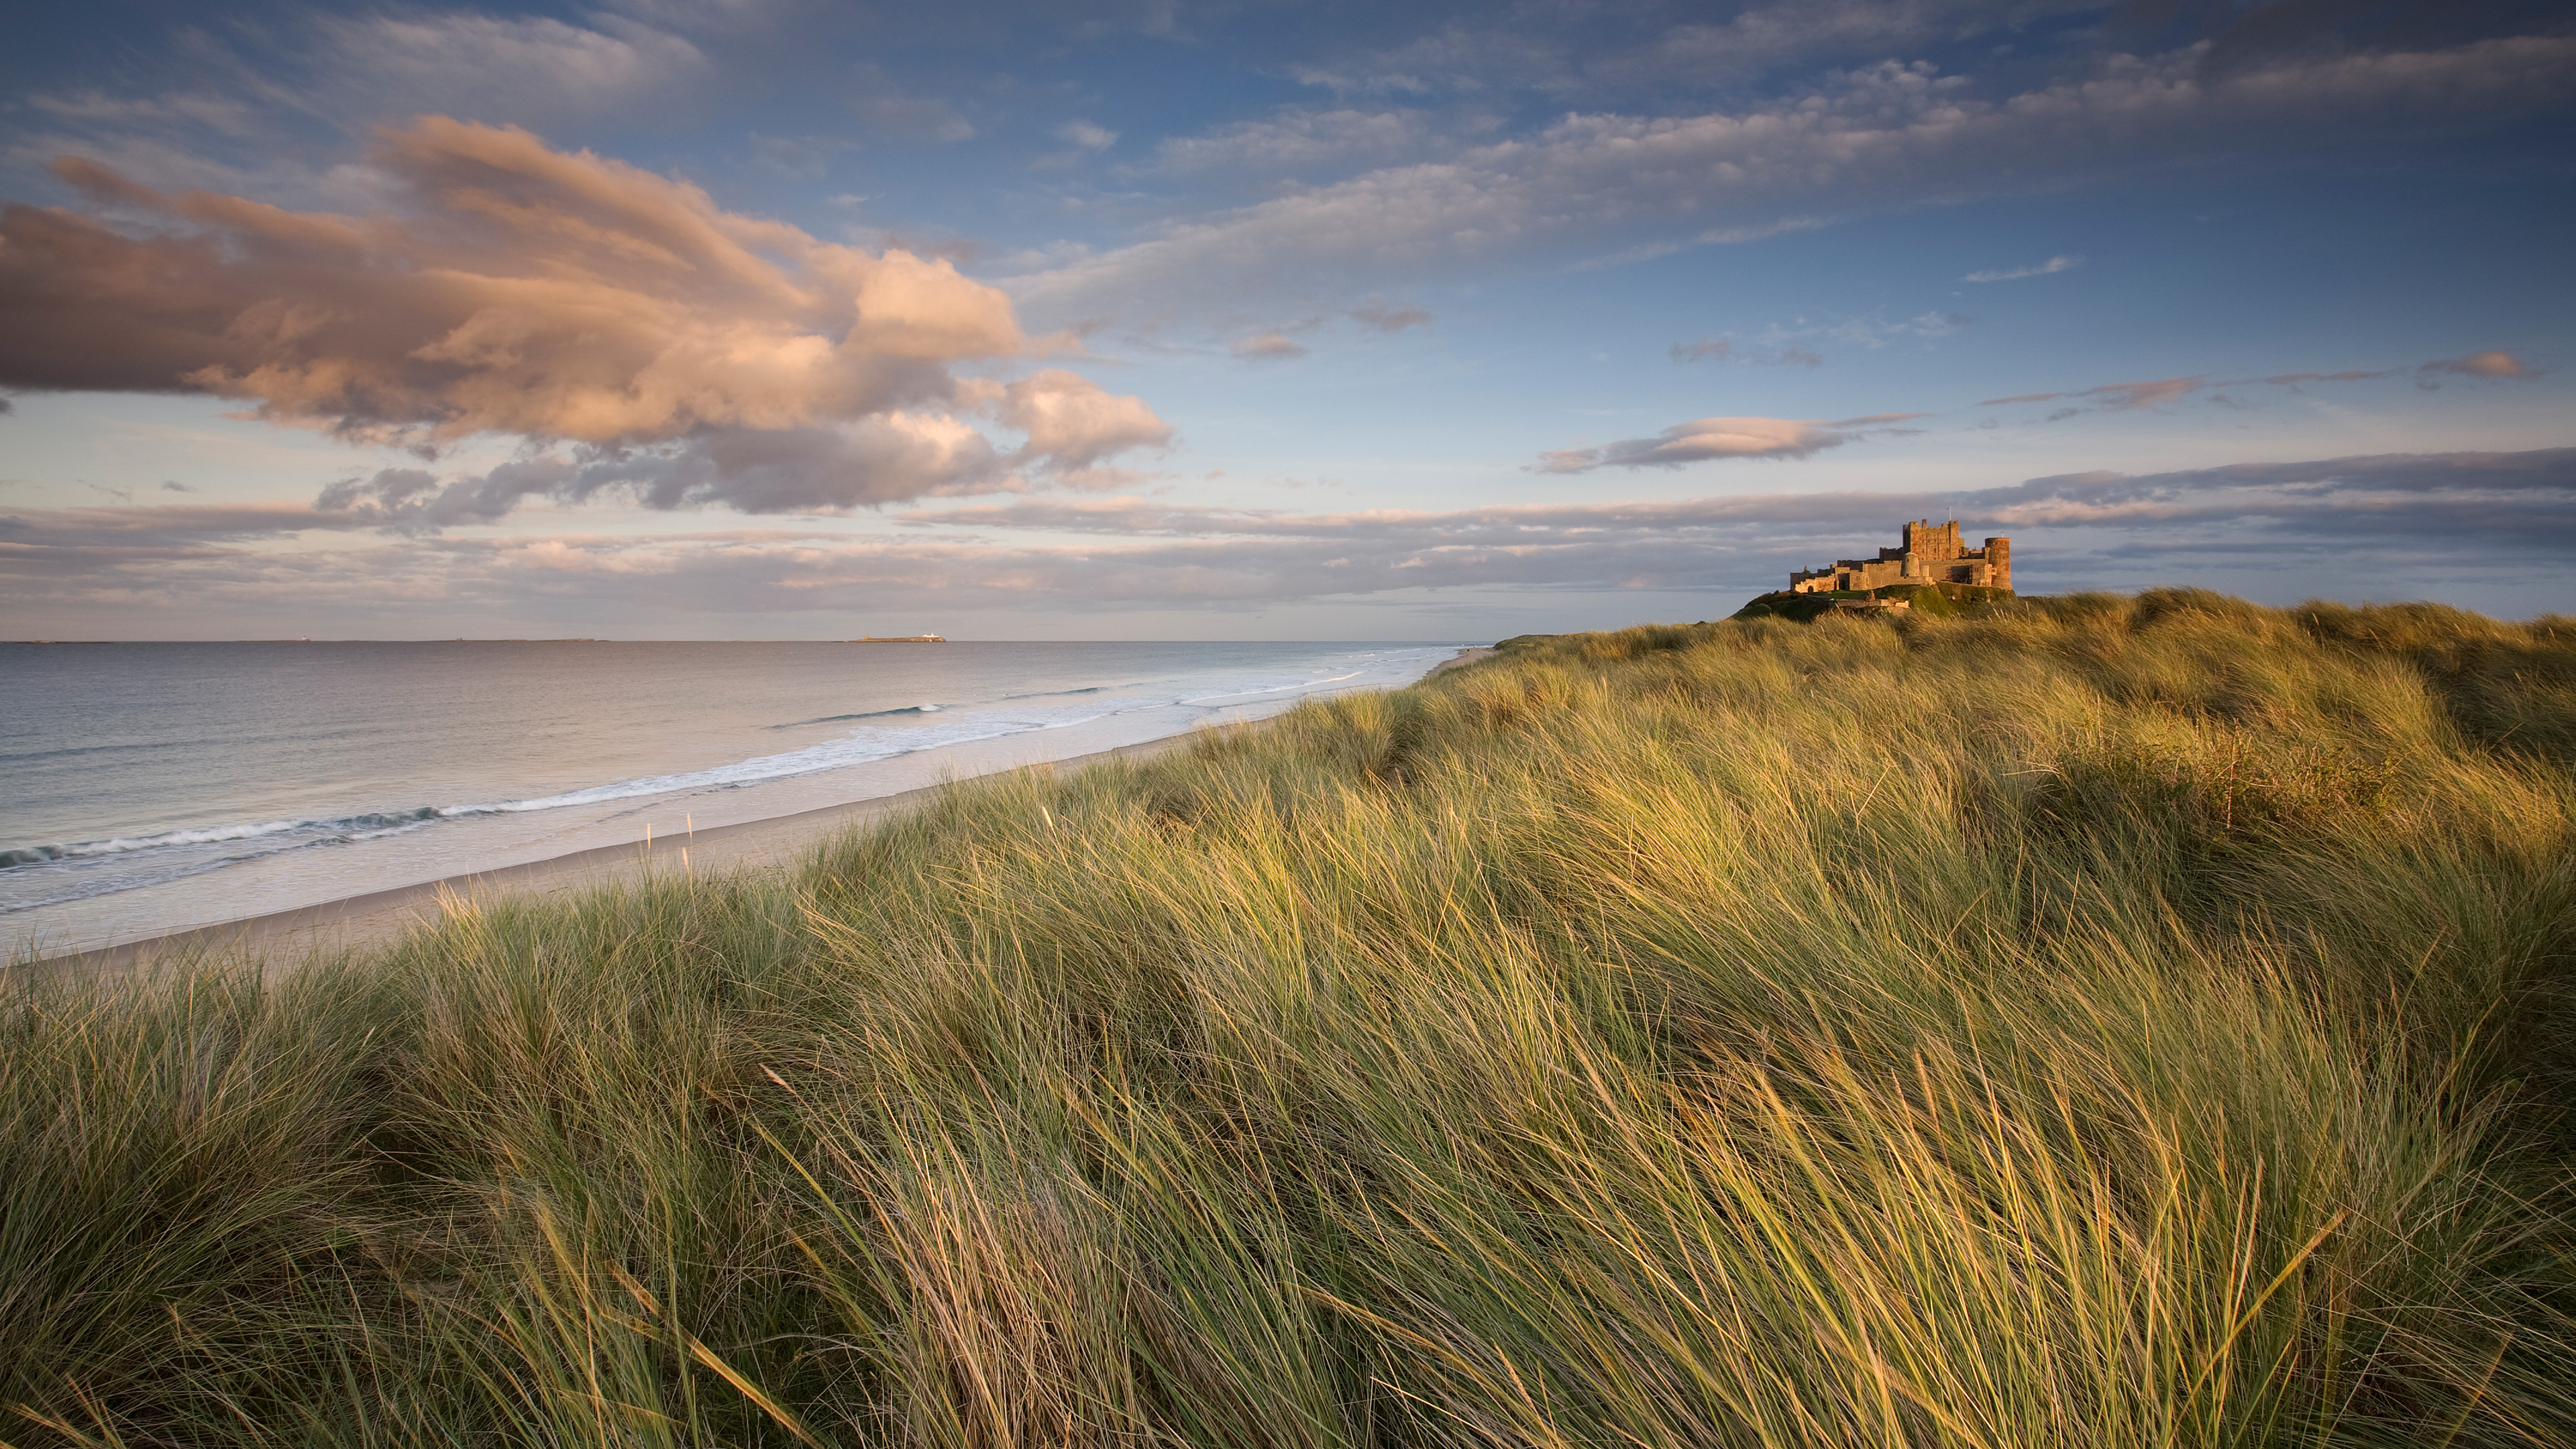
(1929, 555)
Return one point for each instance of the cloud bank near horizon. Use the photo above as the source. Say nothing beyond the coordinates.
(2367, 519)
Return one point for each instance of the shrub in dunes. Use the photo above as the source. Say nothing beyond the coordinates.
(2090, 1021)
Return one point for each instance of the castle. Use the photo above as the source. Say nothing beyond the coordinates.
(1929, 555)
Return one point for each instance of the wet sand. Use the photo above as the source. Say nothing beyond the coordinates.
(379, 918)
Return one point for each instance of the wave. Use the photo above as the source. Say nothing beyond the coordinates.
(87, 868)
(374, 822)
(1260, 689)
(1067, 693)
(871, 714)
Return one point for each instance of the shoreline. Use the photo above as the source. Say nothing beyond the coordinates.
(379, 918)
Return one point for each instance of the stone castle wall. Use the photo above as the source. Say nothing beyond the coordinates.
(1930, 555)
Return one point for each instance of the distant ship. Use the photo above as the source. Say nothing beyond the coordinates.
(901, 639)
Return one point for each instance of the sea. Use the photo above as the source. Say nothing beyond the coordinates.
(148, 788)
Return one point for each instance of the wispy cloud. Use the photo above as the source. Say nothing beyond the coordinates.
(2015, 274)
(1868, 139)
(2492, 366)
(1271, 346)
(1706, 439)
(1297, 142)
(1723, 349)
(2114, 396)
(1570, 53)
(1376, 315)
(526, 68)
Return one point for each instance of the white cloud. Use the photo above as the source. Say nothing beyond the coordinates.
(1074, 424)
(2047, 268)
(1087, 135)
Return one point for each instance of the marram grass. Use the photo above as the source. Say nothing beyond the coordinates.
(2100, 1022)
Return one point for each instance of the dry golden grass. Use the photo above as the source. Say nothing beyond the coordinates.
(2099, 1022)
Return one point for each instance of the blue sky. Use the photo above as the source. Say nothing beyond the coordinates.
(759, 319)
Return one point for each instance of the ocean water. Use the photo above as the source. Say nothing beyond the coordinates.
(147, 788)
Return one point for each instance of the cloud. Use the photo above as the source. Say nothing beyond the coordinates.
(1295, 142)
(1867, 140)
(2111, 397)
(1378, 316)
(2485, 366)
(1591, 52)
(884, 105)
(1272, 346)
(2482, 364)
(888, 458)
(2293, 379)
(1721, 349)
(561, 297)
(2123, 396)
(69, 539)
(2372, 525)
(2046, 268)
(1072, 424)
(527, 69)
(1871, 332)
(1087, 135)
(1699, 441)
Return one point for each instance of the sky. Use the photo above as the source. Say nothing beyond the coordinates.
(774, 319)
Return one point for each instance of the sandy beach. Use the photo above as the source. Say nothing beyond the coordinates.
(377, 919)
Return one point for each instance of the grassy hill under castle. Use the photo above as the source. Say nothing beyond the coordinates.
(2161, 1035)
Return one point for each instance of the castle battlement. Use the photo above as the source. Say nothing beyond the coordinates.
(1930, 555)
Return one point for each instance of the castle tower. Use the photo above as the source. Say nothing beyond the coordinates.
(1999, 562)
(1924, 541)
